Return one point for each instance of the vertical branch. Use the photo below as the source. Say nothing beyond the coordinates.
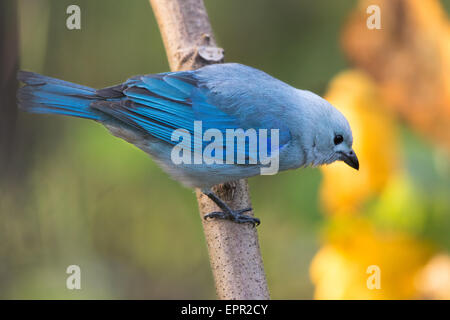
(233, 248)
(9, 62)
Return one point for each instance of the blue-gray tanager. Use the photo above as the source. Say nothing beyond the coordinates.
(157, 112)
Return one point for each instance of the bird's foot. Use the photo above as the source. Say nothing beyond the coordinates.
(235, 216)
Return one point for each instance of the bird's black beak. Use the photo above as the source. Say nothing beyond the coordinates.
(351, 159)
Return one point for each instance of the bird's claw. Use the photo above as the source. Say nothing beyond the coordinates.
(235, 216)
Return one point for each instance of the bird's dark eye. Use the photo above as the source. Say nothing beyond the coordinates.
(338, 139)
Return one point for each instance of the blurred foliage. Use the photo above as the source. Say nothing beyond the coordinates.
(409, 59)
(399, 199)
(383, 215)
(93, 200)
(433, 281)
(339, 268)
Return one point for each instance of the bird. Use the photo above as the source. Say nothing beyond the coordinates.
(147, 110)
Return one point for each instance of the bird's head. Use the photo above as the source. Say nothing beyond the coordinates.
(332, 138)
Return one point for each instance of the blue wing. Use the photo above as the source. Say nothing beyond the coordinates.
(161, 103)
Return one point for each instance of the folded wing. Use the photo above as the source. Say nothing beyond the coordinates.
(161, 103)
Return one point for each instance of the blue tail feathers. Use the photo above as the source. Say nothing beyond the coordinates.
(48, 95)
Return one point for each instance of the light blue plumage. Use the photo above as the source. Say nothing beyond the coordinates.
(145, 111)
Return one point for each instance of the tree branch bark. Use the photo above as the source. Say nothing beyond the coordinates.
(233, 248)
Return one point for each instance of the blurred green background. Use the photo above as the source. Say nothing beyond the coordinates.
(74, 194)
